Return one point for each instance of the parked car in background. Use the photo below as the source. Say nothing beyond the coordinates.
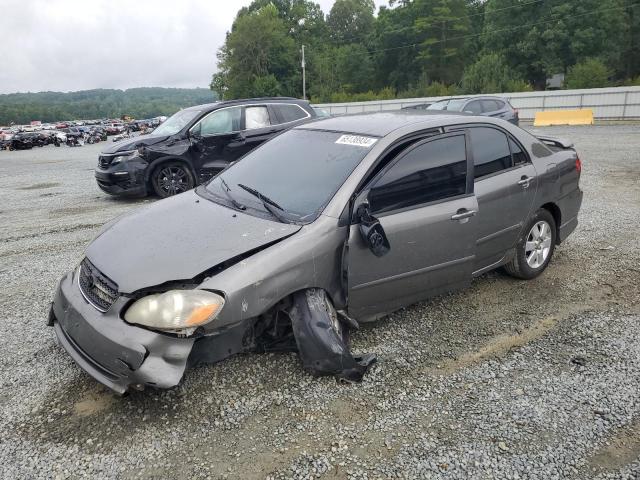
(489, 106)
(328, 225)
(194, 145)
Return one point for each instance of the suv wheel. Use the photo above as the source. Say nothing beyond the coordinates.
(172, 178)
(535, 247)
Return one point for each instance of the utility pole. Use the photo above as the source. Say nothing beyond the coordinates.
(304, 80)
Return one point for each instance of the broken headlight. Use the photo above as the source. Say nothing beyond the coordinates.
(177, 311)
(126, 156)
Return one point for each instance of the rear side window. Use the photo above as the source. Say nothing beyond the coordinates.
(432, 171)
(256, 117)
(290, 113)
(491, 105)
(491, 152)
(519, 157)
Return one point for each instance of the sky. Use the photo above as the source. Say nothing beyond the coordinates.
(68, 45)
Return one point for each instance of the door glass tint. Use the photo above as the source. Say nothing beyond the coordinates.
(221, 121)
(491, 152)
(432, 171)
(256, 117)
(490, 106)
(473, 107)
(519, 157)
(290, 113)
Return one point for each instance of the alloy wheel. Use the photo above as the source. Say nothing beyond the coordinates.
(538, 245)
(173, 180)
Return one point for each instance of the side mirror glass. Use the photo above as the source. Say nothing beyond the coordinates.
(372, 232)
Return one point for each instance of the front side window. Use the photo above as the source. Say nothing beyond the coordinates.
(429, 172)
(220, 122)
(491, 152)
(291, 113)
(256, 117)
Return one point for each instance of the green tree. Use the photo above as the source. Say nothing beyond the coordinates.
(258, 46)
(590, 73)
(351, 20)
(441, 26)
(490, 74)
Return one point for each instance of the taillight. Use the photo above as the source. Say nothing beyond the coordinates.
(578, 165)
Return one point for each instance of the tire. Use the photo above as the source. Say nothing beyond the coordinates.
(535, 247)
(171, 178)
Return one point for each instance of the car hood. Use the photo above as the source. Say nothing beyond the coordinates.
(177, 239)
(133, 143)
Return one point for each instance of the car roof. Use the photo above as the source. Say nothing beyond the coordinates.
(243, 101)
(380, 124)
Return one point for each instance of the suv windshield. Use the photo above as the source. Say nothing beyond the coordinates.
(299, 171)
(456, 105)
(176, 122)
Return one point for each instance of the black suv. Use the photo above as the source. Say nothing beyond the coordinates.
(194, 145)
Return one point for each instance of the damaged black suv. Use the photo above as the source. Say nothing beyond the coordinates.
(194, 145)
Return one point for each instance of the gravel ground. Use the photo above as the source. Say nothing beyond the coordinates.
(508, 379)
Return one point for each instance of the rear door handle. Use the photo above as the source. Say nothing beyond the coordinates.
(463, 214)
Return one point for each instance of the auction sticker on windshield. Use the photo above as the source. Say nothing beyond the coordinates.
(356, 140)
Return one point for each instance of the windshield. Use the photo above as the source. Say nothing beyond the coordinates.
(441, 105)
(176, 122)
(456, 105)
(299, 171)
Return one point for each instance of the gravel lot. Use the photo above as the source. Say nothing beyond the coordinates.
(508, 379)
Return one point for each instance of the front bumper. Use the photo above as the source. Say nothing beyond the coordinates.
(116, 354)
(125, 179)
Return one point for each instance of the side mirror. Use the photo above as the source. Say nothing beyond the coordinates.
(372, 232)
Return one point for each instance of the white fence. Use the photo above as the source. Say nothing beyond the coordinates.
(617, 103)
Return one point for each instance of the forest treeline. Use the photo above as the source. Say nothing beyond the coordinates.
(419, 48)
(21, 108)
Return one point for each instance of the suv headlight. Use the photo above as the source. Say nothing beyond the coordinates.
(126, 156)
(177, 311)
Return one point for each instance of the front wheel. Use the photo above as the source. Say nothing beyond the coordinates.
(535, 247)
(172, 178)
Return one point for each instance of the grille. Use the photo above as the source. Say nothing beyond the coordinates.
(104, 162)
(96, 288)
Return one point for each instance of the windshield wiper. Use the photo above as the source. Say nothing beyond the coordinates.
(227, 192)
(267, 203)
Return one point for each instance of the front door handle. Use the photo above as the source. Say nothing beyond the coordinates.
(524, 181)
(463, 214)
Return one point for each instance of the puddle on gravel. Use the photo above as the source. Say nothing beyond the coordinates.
(92, 403)
(39, 186)
(621, 449)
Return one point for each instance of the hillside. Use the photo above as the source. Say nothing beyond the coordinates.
(21, 108)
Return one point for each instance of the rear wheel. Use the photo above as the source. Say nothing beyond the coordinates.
(172, 178)
(535, 247)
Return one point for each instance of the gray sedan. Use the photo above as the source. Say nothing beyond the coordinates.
(326, 226)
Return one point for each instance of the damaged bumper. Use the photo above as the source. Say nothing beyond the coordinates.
(126, 179)
(116, 354)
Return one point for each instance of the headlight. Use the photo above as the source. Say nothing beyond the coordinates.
(125, 156)
(178, 311)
